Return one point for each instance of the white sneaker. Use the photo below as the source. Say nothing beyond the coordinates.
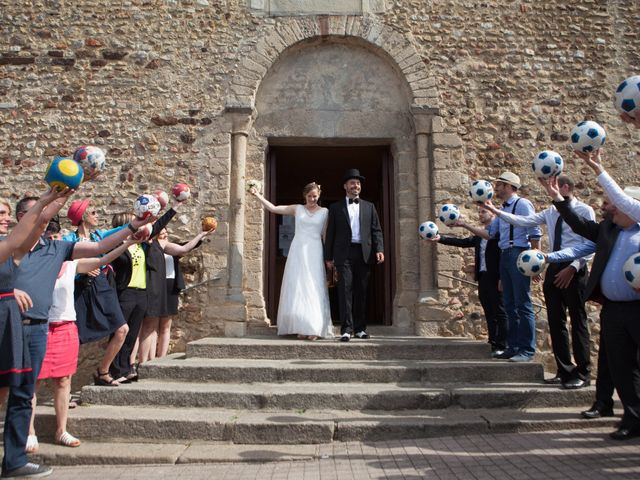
(29, 470)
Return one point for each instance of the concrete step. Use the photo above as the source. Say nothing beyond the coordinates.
(383, 348)
(168, 427)
(179, 368)
(345, 396)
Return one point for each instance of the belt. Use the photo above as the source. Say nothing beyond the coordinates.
(34, 321)
(135, 288)
(355, 244)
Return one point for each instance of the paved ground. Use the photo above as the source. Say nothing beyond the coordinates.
(577, 454)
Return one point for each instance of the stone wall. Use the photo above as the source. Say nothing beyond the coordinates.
(148, 80)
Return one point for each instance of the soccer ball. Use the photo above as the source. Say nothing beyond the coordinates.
(587, 136)
(531, 262)
(631, 269)
(547, 164)
(481, 191)
(146, 205)
(428, 230)
(64, 173)
(143, 233)
(181, 192)
(162, 198)
(90, 158)
(627, 96)
(449, 214)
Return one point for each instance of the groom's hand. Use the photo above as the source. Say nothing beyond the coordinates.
(379, 257)
(329, 263)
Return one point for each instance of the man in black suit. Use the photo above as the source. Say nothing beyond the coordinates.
(353, 242)
(616, 238)
(487, 274)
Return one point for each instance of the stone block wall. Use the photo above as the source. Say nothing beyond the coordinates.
(148, 81)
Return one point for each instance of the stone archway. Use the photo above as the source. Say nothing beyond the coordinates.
(413, 141)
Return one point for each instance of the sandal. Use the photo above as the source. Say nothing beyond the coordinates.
(67, 440)
(32, 444)
(104, 379)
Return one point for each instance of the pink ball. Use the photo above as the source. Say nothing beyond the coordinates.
(181, 192)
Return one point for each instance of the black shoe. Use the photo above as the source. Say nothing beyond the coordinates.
(29, 470)
(624, 433)
(553, 381)
(597, 411)
(345, 337)
(506, 355)
(575, 383)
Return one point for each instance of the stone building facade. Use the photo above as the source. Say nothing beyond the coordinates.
(214, 93)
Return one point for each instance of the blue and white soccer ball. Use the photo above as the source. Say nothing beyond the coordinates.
(428, 230)
(449, 213)
(481, 191)
(146, 205)
(587, 136)
(627, 96)
(547, 164)
(631, 270)
(531, 262)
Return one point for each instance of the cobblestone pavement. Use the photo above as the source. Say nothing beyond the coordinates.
(577, 454)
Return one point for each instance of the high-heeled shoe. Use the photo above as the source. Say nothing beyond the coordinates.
(104, 379)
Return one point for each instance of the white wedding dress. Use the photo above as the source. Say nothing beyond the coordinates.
(304, 299)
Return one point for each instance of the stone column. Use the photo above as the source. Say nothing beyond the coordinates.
(428, 313)
(241, 120)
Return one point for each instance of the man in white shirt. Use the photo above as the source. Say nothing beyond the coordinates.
(563, 288)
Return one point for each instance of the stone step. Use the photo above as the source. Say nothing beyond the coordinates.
(383, 348)
(178, 368)
(345, 396)
(172, 426)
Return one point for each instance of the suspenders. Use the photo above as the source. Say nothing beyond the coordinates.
(513, 211)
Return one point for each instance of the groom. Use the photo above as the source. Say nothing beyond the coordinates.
(353, 241)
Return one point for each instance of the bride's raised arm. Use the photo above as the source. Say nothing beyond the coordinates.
(278, 209)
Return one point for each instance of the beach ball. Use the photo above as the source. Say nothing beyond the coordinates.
(64, 173)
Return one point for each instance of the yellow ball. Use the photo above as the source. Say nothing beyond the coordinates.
(64, 173)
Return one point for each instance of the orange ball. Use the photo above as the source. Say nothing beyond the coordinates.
(209, 223)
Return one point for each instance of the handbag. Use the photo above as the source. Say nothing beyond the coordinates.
(332, 276)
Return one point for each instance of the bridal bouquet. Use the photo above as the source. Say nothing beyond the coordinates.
(257, 184)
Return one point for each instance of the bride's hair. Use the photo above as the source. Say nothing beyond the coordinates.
(308, 187)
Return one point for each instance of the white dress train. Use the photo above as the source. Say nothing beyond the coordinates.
(304, 299)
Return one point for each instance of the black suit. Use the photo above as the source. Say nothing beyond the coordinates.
(620, 329)
(353, 260)
(488, 292)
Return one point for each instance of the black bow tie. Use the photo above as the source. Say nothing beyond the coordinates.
(354, 200)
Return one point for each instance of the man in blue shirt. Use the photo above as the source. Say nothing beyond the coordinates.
(616, 239)
(516, 288)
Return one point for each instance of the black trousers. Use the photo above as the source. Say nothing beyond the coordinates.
(604, 382)
(134, 307)
(558, 301)
(491, 301)
(621, 331)
(353, 280)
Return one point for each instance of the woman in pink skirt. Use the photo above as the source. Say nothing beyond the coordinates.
(61, 359)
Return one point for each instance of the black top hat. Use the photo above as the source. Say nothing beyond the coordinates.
(353, 173)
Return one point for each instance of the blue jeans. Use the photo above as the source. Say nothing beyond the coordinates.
(16, 423)
(517, 303)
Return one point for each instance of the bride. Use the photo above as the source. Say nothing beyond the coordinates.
(304, 299)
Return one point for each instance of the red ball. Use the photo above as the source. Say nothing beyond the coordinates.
(162, 197)
(181, 191)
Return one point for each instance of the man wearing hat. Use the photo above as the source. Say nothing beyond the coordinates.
(353, 242)
(616, 238)
(516, 288)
